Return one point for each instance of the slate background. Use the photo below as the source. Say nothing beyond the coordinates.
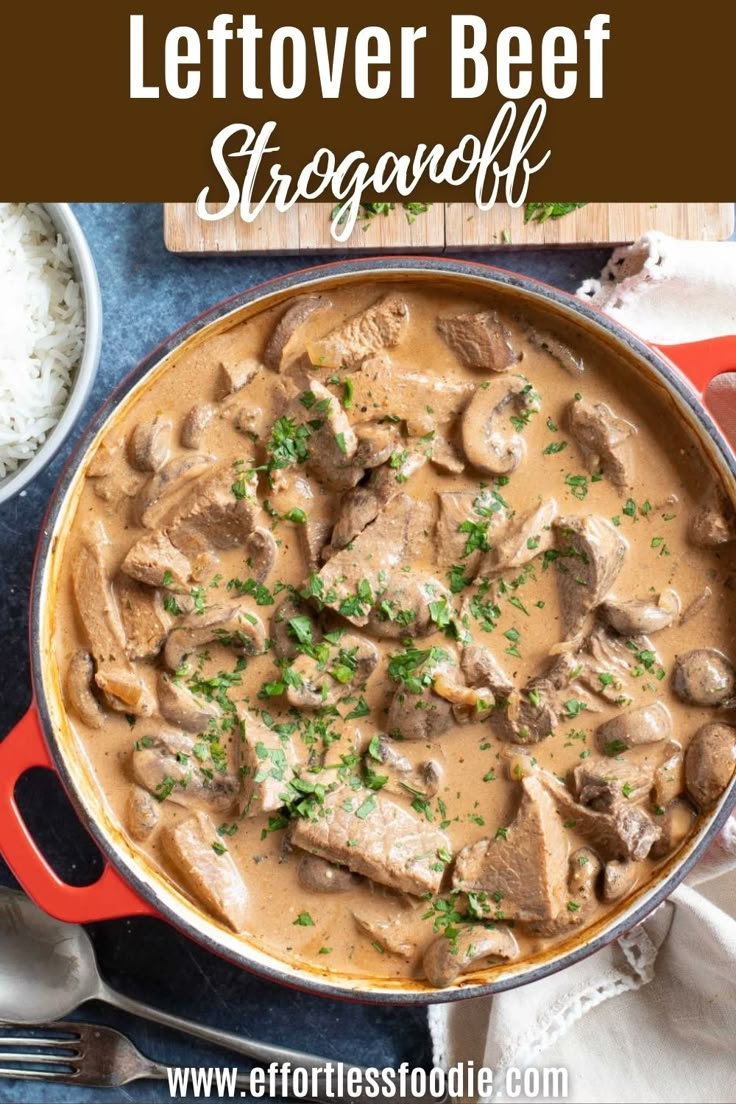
(147, 294)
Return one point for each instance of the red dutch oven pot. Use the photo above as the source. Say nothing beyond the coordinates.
(42, 739)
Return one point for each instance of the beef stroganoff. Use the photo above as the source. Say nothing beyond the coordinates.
(396, 628)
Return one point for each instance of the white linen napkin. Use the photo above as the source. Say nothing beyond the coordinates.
(669, 1034)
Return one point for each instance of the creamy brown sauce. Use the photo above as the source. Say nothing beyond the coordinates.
(516, 614)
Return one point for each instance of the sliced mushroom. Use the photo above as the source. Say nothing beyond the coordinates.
(697, 605)
(148, 447)
(405, 608)
(320, 876)
(178, 705)
(675, 826)
(142, 813)
(167, 765)
(283, 635)
(278, 349)
(261, 552)
(669, 776)
(195, 424)
(321, 684)
(235, 625)
(619, 879)
(80, 683)
(156, 496)
(635, 616)
(424, 715)
(490, 449)
(648, 724)
(710, 762)
(376, 443)
(558, 351)
(704, 676)
(473, 947)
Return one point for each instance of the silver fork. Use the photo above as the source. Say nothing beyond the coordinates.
(72, 1053)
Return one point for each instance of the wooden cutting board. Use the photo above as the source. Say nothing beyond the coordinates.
(444, 227)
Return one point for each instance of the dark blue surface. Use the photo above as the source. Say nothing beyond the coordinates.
(148, 293)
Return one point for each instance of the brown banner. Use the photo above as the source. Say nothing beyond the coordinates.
(72, 131)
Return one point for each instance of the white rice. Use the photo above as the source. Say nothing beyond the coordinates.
(41, 330)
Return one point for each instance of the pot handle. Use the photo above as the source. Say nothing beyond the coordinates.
(702, 361)
(107, 899)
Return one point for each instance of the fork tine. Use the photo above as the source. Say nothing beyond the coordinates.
(71, 1045)
(37, 1075)
(54, 1027)
(39, 1059)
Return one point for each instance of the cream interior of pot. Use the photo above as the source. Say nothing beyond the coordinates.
(368, 637)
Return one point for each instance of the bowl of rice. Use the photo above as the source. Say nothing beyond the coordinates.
(50, 335)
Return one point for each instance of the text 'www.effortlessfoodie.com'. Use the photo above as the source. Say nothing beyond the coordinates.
(336, 1081)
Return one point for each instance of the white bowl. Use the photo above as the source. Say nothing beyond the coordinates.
(86, 276)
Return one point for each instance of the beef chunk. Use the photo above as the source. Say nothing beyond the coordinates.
(715, 522)
(144, 622)
(282, 344)
(379, 326)
(266, 767)
(362, 505)
(623, 832)
(460, 512)
(332, 443)
(374, 836)
(480, 340)
(124, 688)
(525, 869)
(605, 440)
(154, 560)
(382, 388)
(159, 494)
(585, 869)
(592, 554)
(522, 541)
(602, 782)
(210, 875)
(212, 515)
(178, 767)
(483, 671)
(607, 662)
(381, 547)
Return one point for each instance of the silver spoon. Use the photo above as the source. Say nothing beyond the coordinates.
(48, 968)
